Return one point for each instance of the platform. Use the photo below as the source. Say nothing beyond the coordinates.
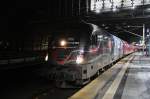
(128, 79)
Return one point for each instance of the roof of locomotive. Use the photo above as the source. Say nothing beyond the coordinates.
(79, 29)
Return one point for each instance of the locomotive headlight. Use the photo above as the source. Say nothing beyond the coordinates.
(63, 43)
(79, 59)
(46, 57)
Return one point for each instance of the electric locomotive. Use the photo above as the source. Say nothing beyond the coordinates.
(81, 53)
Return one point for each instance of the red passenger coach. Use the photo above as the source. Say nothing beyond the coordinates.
(125, 48)
(128, 48)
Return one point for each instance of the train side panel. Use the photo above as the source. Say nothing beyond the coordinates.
(118, 48)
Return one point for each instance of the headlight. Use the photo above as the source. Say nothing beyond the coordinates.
(46, 57)
(63, 43)
(79, 59)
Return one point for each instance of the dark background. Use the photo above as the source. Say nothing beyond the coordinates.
(27, 23)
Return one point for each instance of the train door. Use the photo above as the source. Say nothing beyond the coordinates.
(117, 47)
(107, 48)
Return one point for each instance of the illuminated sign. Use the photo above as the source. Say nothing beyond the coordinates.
(107, 5)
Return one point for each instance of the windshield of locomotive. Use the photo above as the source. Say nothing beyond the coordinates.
(68, 45)
(68, 48)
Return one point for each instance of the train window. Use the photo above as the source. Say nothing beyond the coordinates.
(84, 71)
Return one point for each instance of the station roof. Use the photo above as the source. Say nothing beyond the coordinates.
(29, 16)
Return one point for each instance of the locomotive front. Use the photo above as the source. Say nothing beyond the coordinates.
(66, 54)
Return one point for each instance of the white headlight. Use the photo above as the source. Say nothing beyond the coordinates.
(46, 57)
(63, 43)
(79, 59)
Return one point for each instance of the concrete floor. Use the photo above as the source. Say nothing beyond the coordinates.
(137, 85)
(131, 82)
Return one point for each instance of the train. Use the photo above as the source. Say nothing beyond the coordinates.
(81, 52)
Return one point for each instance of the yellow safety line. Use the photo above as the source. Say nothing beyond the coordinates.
(113, 88)
(91, 90)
